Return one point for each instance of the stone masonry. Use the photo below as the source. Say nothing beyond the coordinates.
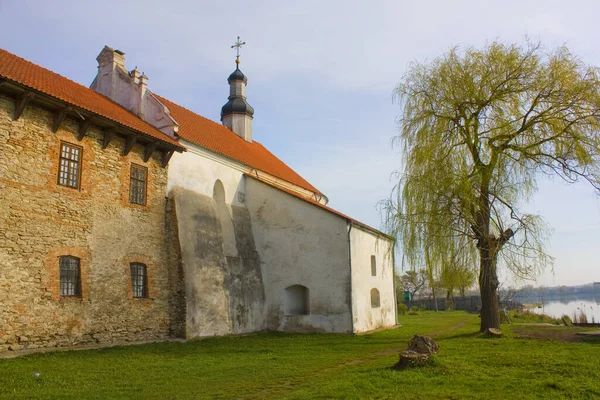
(41, 220)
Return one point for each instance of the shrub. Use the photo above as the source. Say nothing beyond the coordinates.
(581, 317)
(530, 316)
(423, 307)
(402, 308)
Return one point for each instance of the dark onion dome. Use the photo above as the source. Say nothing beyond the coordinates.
(237, 75)
(237, 105)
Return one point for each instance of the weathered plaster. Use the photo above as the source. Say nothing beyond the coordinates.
(300, 244)
(365, 244)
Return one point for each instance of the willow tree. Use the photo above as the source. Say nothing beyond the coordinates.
(477, 129)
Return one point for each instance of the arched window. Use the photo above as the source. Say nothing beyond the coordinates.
(373, 266)
(375, 302)
(295, 300)
(70, 276)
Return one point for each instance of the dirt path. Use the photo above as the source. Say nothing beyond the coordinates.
(290, 384)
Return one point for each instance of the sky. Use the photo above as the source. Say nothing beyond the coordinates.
(321, 76)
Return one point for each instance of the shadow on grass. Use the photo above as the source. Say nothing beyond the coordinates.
(467, 335)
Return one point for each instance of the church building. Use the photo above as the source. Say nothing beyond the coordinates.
(126, 217)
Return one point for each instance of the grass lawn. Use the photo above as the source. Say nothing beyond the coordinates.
(290, 366)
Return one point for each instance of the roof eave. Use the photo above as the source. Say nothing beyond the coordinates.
(45, 100)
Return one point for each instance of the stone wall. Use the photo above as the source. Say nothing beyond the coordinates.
(41, 220)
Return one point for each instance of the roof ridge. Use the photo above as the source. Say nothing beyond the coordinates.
(48, 70)
(307, 186)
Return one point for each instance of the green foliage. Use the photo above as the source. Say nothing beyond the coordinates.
(566, 320)
(531, 317)
(402, 308)
(476, 130)
(319, 366)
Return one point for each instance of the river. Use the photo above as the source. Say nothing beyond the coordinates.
(557, 309)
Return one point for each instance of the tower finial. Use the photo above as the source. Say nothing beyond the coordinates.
(237, 45)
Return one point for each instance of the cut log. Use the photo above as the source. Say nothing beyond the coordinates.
(493, 332)
(423, 345)
(409, 358)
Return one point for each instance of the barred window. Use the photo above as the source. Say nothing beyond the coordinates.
(139, 280)
(137, 188)
(70, 276)
(69, 170)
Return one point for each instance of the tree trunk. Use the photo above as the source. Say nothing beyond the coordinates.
(488, 285)
(434, 298)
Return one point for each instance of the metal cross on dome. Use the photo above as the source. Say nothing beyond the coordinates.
(237, 45)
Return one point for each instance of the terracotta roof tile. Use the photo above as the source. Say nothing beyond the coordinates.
(38, 78)
(192, 127)
(218, 138)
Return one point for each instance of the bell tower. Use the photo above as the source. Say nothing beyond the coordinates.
(237, 114)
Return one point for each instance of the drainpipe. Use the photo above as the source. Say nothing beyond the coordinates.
(350, 269)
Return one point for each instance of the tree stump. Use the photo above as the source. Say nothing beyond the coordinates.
(410, 358)
(423, 345)
(493, 332)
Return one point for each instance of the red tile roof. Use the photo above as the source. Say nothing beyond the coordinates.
(35, 77)
(324, 207)
(216, 137)
(192, 127)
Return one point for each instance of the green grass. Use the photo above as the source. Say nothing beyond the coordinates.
(527, 316)
(319, 366)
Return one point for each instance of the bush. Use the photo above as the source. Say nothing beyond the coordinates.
(413, 311)
(423, 307)
(530, 316)
(566, 320)
(402, 308)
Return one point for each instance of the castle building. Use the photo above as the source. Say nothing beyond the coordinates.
(126, 217)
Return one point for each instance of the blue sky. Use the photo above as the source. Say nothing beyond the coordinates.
(321, 76)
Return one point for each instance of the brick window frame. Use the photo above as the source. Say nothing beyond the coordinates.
(138, 184)
(51, 274)
(70, 159)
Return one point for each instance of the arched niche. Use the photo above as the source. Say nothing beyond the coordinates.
(295, 300)
(219, 192)
(375, 300)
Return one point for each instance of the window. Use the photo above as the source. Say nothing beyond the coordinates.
(70, 276)
(373, 266)
(295, 300)
(139, 280)
(137, 188)
(69, 169)
(375, 302)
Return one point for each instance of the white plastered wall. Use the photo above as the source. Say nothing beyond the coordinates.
(198, 169)
(364, 244)
(301, 244)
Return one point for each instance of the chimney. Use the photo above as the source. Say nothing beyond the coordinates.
(130, 90)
